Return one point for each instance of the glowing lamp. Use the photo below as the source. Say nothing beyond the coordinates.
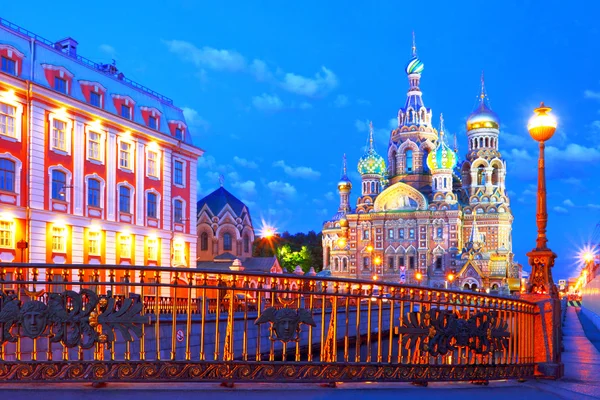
(450, 277)
(369, 248)
(588, 257)
(375, 277)
(341, 242)
(542, 125)
(419, 276)
(377, 260)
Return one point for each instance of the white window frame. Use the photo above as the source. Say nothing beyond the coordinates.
(183, 210)
(128, 102)
(68, 182)
(102, 147)
(68, 134)
(152, 112)
(14, 55)
(102, 189)
(158, 205)
(62, 237)
(131, 197)
(154, 255)
(183, 175)
(131, 143)
(179, 253)
(11, 234)
(18, 169)
(157, 162)
(122, 242)
(18, 118)
(97, 238)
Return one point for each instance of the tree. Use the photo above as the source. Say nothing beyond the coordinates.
(304, 249)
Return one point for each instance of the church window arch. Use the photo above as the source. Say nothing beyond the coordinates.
(409, 161)
(227, 245)
(481, 175)
(246, 244)
(372, 187)
(204, 241)
(393, 163)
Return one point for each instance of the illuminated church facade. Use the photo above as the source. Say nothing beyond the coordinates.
(424, 217)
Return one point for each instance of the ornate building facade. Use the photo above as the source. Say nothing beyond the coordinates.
(94, 168)
(427, 218)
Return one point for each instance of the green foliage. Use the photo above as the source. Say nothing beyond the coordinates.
(303, 249)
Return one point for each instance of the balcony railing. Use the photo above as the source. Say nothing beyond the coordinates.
(65, 323)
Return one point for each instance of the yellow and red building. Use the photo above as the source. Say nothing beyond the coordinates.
(94, 168)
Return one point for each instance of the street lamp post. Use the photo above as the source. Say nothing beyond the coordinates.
(541, 128)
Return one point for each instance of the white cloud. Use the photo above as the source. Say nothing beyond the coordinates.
(321, 84)
(341, 101)
(329, 196)
(594, 206)
(194, 119)
(573, 153)
(282, 188)
(568, 203)
(234, 176)
(571, 181)
(305, 105)
(361, 126)
(260, 70)
(393, 123)
(510, 140)
(247, 188)
(108, 50)
(322, 211)
(590, 94)
(297, 172)
(363, 102)
(249, 203)
(208, 57)
(560, 210)
(518, 154)
(267, 102)
(242, 162)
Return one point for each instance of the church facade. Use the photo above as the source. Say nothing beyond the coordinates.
(424, 217)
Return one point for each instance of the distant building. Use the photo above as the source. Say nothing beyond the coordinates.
(94, 168)
(226, 236)
(425, 213)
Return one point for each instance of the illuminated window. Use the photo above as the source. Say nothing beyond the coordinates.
(59, 132)
(125, 111)
(226, 242)
(93, 193)
(390, 233)
(178, 211)
(94, 243)
(178, 172)
(152, 164)
(7, 175)
(59, 181)
(125, 155)
(95, 99)
(204, 241)
(60, 85)
(411, 233)
(401, 233)
(440, 232)
(151, 206)
(152, 122)
(366, 234)
(152, 249)
(59, 239)
(7, 120)
(124, 199)
(7, 234)
(94, 146)
(409, 161)
(178, 253)
(9, 66)
(125, 246)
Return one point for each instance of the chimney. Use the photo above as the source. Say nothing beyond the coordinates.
(67, 46)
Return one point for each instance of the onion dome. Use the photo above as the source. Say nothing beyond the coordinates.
(344, 183)
(414, 66)
(483, 116)
(442, 157)
(371, 163)
(343, 222)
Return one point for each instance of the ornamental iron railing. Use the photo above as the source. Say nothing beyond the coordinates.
(118, 323)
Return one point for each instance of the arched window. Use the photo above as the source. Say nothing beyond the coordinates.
(7, 175)
(487, 142)
(178, 211)
(204, 241)
(59, 181)
(495, 177)
(337, 264)
(226, 242)
(409, 161)
(93, 193)
(151, 205)
(372, 187)
(345, 264)
(481, 175)
(246, 244)
(425, 166)
(393, 164)
(445, 183)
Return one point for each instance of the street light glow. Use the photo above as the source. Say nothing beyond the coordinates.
(418, 276)
(267, 231)
(588, 256)
(542, 125)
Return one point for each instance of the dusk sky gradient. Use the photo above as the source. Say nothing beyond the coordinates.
(276, 92)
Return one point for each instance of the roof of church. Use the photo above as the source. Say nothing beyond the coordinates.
(227, 256)
(251, 264)
(218, 199)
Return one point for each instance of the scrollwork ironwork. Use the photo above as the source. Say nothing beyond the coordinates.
(285, 322)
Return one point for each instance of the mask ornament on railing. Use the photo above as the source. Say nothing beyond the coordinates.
(440, 331)
(75, 319)
(285, 322)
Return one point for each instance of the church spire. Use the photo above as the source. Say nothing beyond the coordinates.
(371, 149)
(344, 166)
(414, 45)
(482, 95)
(474, 233)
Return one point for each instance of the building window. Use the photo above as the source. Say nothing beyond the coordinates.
(152, 122)
(124, 199)
(7, 232)
(439, 233)
(125, 246)
(7, 120)
(152, 249)
(344, 264)
(411, 233)
(438, 262)
(481, 175)
(226, 242)
(59, 181)
(60, 85)
(59, 135)
(59, 239)
(93, 193)
(366, 234)
(151, 206)
(401, 233)
(95, 99)
(125, 111)
(178, 173)
(409, 161)
(94, 146)
(401, 261)
(178, 253)
(125, 155)
(178, 211)
(365, 262)
(246, 244)
(9, 66)
(7, 175)
(204, 241)
(94, 243)
(178, 134)
(390, 262)
(390, 233)
(152, 163)
(411, 262)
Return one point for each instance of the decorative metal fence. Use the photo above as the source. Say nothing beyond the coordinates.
(115, 323)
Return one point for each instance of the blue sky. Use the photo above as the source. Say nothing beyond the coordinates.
(276, 92)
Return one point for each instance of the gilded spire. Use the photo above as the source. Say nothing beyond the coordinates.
(414, 45)
(344, 165)
(482, 95)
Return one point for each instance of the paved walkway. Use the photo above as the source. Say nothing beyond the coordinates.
(581, 381)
